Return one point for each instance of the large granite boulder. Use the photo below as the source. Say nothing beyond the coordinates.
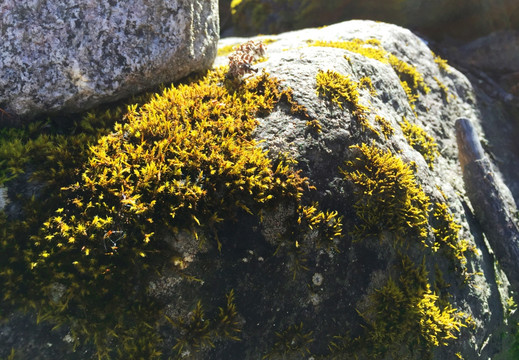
(193, 244)
(71, 55)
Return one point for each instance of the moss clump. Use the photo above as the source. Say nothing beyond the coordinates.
(291, 343)
(179, 164)
(446, 232)
(373, 49)
(306, 229)
(405, 319)
(387, 195)
(420, 141)
(314, 126)
(446, 94)
(197, 332)
(341, 89)
(442, 63)
(365, 83)
(385, 126)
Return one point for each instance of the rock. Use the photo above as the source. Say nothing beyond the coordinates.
(461, 19)
(376, 140)
(291, 59)
(496, 52)
(67, 56)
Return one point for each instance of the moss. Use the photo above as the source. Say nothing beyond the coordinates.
(292, 342)
(446, 94)
(197, 331)
(182, 162)
(365, 83)
(314, 126)
(446, 232)
(442, 63)
(225, 50)
(385, 126)
(387, 195)
(308, 228)
(420, 141)
(405, 318)
(341, 89)
(373, 49)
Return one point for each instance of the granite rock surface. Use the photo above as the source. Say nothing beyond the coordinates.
(67, 56)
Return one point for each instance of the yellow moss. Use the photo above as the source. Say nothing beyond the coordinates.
(365, 83)
(180, 163)
(442, 63)
(341, 89)
(387, 195)
(385, 126)
(373, 49)
(411, 97)
(234, 5)
(446, 232)
(225, 50)
(314, 126)
(405, 316)
(420, 141)
(444, 89)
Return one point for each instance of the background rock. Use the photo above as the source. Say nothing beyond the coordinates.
(70, 55)
(466, 19)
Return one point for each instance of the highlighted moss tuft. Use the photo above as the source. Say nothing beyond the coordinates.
(406, 317)
(387, 195)
(420, 141)
(373, 49)
(341, 89)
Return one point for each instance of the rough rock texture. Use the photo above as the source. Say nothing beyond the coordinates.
(297, 64)
(71, 55)
(328, 293)
(463, 18)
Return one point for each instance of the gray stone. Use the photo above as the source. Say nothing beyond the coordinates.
(291, 60)
(69, 55)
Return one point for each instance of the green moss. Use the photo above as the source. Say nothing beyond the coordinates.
(405, 318)
(420, 141)
(293, 341)
(387, 195)
(197, 331)
(341, 89)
